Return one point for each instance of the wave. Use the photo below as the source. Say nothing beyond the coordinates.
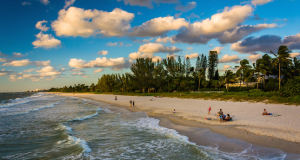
(86, 117)
(249, 153)
(81, 142)
(17, 101)
(35, 109)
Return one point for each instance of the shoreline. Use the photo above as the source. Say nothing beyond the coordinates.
(230, 131)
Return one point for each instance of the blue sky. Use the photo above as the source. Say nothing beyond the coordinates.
(53, 43)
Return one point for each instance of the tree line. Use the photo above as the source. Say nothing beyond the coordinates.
(171, 75)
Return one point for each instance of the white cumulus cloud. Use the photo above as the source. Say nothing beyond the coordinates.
(260, 2)
(191, 56)
(254, 57)
(158, 26)
(103, 52)
(68, 3)
(99, 62)
(79, 22)
(226, 66)
(98, 71)
(228, 58)
(26, 62)
(157, 48)
(218, 49)
(39, 25)
(46, 41)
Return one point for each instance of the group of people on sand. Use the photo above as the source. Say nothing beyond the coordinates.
(131, 103)
(156, 97)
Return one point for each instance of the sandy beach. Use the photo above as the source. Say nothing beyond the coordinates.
(282, 132)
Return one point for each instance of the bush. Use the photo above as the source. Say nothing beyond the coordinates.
(256, 90)
(238, 89)
(160, 91)
(292, 87)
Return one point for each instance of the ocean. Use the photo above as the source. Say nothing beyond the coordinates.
(49, 126)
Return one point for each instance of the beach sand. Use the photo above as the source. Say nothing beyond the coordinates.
(281, 132)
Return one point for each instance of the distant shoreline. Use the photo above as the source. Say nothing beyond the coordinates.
(239, 129)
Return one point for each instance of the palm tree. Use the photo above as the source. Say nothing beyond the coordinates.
(281, 56)
(229, 77)
(243, 68)
(295, 67)
(258, 67)
(201, 75)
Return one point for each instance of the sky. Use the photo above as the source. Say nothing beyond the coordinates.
(56, 43)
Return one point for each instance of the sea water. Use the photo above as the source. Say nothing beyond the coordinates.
(48, 126)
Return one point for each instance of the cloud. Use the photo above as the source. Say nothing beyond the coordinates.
(158, 26)
(136, 55)
(226, 58)
(39, 25)
(4, 72)
(266, 43)
(172, 55)
(240, 32)
(99, 62)
(191, 56)
(48, 71)
(116, 43)
(218, 49)
(68, 3)
(139, 13)
(18, 55)
(46, 41)
(45, 2)
(29, 70)
(26, 3)
(26, 62)
(177, 15)
(102, 52)
(192, 15)
(85, 23)
(3, 54)
(98, 71)
(165, 40)
(142, 41)
(226, 66)
(189, 48)
(111, 44)
(188, 7)
(205, 30)
(260, 2)
(3, 60)
(297, 54)
(254, 57)
(157, 48)
(147, 3)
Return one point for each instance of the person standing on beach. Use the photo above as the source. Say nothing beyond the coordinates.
(209, 109)
(132, 103)
(115, 98)
(174, 111)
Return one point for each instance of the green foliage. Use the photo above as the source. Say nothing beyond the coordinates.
(292, 87)
(212, 64)
(256, 90)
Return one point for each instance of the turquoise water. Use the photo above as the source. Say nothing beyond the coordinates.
(44, 126)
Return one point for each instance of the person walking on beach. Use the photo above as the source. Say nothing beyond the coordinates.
(174, 111)
(130, 102)
(115, 98)
(209, 109)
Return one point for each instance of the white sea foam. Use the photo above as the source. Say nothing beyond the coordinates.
(153, 124)
(81, 142)
(17, 101)
(86, 117)
(32, 109)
